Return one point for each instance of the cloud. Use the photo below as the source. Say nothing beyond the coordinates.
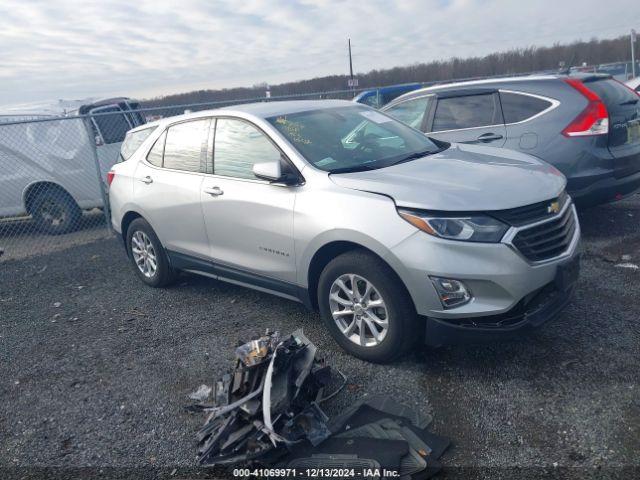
(72, 49)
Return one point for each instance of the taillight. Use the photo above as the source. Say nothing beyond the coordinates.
(593, 120)
(110, 176)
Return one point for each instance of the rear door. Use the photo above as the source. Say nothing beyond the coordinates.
(470, 116)
(623, 106)
(167, 187)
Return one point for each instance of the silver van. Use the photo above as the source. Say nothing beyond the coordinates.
(47, 162)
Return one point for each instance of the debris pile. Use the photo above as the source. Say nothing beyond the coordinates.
(267, 413)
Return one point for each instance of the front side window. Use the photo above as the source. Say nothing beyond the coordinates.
(411, 111)
(183, 149)
(238, 146)
(517, 107)
(113, 127)
(352, 138)
(470, 111)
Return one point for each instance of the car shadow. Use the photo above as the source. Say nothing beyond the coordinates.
(611, 220)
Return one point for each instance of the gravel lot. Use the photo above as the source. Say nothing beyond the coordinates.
(20, 237)
(95, 368)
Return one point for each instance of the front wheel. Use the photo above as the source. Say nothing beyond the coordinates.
(148, 256)
(366, 307)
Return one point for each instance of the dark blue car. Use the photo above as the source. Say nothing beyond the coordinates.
(378, 97)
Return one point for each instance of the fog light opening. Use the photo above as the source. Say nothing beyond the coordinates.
(452, 293)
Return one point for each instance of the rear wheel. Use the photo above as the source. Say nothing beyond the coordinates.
(55, 211)
(366, 307)
(148, 256)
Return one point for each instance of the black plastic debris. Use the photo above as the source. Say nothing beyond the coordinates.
(266, 412)
(266, 404)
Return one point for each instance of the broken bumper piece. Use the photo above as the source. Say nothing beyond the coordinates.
(266, 413)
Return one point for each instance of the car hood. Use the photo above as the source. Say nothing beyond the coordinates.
(462, 178)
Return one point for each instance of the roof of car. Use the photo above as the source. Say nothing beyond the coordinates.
(270, 109)
(258, 109)
(488, 82)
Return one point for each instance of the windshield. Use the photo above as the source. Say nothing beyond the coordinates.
(353, 138)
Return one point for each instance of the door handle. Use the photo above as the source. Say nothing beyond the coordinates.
(147, 180)
(489, 137)
(213, 191)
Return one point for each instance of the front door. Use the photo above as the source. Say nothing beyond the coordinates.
(249, 221)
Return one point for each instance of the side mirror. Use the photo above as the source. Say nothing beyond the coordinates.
(271, 171)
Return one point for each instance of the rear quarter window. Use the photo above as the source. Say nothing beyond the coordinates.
(132, 142)
(517, 107)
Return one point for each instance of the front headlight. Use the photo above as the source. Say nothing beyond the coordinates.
(469, 228)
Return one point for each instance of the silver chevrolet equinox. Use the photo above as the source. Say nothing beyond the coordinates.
(393, 236)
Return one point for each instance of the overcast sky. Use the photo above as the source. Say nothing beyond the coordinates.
(51, 49)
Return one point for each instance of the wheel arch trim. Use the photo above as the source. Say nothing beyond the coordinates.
(28, 191)
(336, 242)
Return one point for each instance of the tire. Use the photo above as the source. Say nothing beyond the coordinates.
(145, 250)
(401, 320)
(55, 211)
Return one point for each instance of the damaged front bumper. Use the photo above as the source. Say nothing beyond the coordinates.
(528, 314)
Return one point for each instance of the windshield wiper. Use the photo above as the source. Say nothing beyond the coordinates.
(633, 101)
(355, 168)
(414, 156)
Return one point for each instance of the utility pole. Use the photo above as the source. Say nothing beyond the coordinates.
(633, 54)
(352, 83)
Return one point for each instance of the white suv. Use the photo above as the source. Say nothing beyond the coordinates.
(393, 236)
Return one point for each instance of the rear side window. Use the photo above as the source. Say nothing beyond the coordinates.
(470, 111)
(132, 142)
(411, 111)
(517, 107)
(183, 148)
(238, 146)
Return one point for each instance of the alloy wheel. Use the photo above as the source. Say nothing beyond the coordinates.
(144, 254)
(358, 310)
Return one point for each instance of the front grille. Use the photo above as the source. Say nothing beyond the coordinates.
(547, 240)
(520, 216)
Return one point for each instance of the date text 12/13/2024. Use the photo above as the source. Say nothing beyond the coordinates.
(316, 472)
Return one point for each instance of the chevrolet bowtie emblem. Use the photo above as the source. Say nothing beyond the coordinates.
(554, 207)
